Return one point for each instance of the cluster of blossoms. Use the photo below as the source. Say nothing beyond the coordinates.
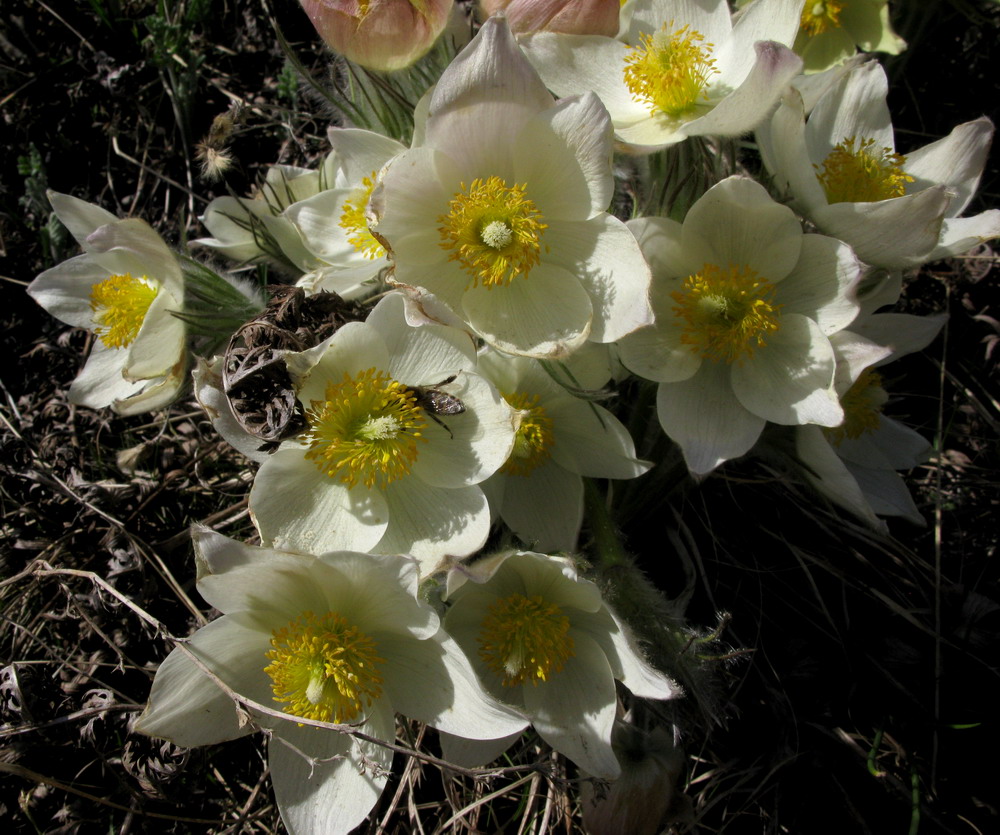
(469, 396)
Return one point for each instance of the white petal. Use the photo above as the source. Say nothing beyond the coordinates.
(276, 593)
(786, 154)
(764, 20)
(544, 508)
(887, 493)
(736, 222)
(575, 710)
(190, 709)
(891, 446)
(590, 441)
(100, 382)
(80, 217)
(894, 233)
(657, 352)
(822, 285)
(564, 157)
(354, 348)
(357, 153)
(156, 394)
(711, 19)
(855, 106)
(160, 342)
(433, 682)
(228, 219)
(956, 161)
(65, 289)
(428, 522)
(336, 795)
(318, 221)
(901, 333)
(605, 256)
(790, 379)
(297, 508)
(854, 354)
(473, 753)
(960, 234)
(752, 102)
(138, 239)
(703, 416)
(661, 242)
(211, 397)
(545, 314)
(828, 474)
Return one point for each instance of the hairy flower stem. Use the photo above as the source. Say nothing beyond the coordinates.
(607, 546)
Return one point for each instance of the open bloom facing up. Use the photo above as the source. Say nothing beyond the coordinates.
(840, 165)
(311, 220)
(559, 439)
(340, 638)
(678, 69)
(745, 305)
(855, 464)
(124, 288)
(381, 35)
(377, 470)
(542, 639)
(501, 211)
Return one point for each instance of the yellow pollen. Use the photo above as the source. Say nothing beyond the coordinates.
(820, 16)
(862, 406)
(864, 175)
(352, 221)
(525, 639)
(670, 70)
(365, 430)
(533, 440)
(321, 668)
(492, 230)
(728, 312)
(119, 305)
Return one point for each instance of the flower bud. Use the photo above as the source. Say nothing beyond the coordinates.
(380, 35)
(573, 17)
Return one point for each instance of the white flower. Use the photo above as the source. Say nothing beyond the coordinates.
(542, 639)
(501, 211)
(312, 220)
(745, 304)
(337, 638)
(841, 167)
(376, 470)
(855, 464)
(560, 439)
(124, 288)
(678, 69)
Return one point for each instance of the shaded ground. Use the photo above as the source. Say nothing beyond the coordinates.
(868, 690)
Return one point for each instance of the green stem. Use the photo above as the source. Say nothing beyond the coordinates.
(607, 547)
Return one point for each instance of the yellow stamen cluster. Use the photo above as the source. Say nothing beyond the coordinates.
(120, 304)
(670, 70)
(862, 405)
(525, 639)
(352, 221)
(533, 440)
(365, 430)
(728, 312)
(321, 668)
(864, 175)
(820, 16)
(493, 231)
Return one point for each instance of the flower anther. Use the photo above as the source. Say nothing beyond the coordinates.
(120, 304)
(820, 16)
(862, 405)
(863, 175)
(525, 639)
(670, 70)
(324, 669)
(493, 230)
(352, 220)
(365, 429)
(533, 439)
(727, 311)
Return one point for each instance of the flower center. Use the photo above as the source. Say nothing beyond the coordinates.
(352, 221)
(533, 440)
(492, 230)
(119, 305)
(366, 429)
(864, 175)
(324, 669)
(525, 639)
(669, 70)
(728, 312)
(820, 16)
(862, 405)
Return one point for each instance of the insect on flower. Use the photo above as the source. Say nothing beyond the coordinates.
(436, 402)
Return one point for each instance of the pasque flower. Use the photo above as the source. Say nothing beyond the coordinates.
(500, 212)
(578, 17)
(678, 69)
(337, 638)
(381, 35)
(543, 640)
(377, 470)
(745, 305)
(125, 288)
(840, 165)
